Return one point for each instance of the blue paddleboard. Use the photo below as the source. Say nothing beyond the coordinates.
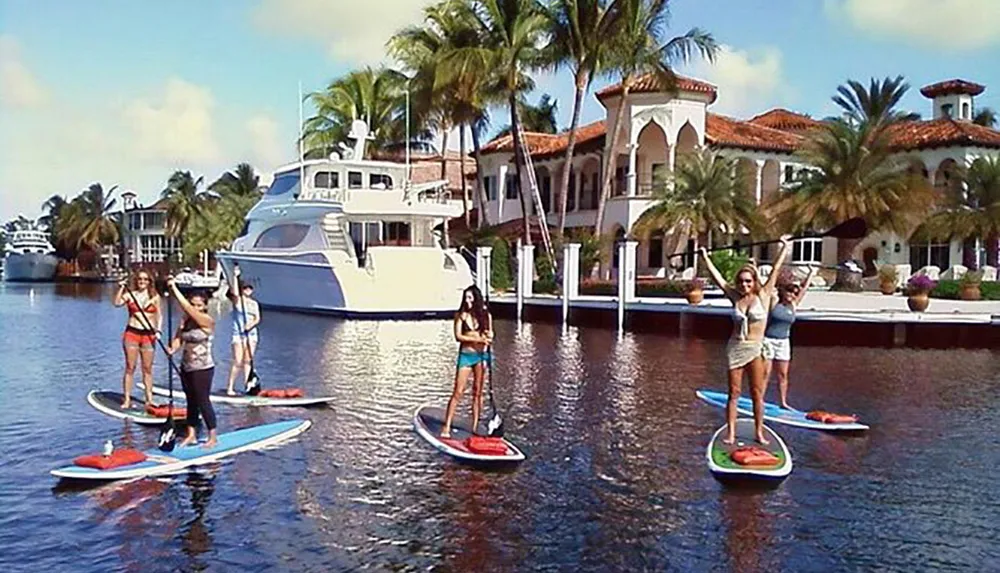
(160, 463)
(775, 413)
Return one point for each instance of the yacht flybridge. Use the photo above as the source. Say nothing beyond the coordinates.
(353, 237)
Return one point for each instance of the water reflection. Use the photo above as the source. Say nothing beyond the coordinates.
(196, 538)
(747, 530)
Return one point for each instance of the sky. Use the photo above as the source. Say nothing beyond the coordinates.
(124, 92)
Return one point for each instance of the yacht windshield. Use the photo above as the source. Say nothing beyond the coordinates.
(283, 183)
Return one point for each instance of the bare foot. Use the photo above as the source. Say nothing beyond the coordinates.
(210, 443)
(729, 440)
(786, 406)
(761, 439)
(188, 440)
(230, 392)
(127, 404)
(446, 434)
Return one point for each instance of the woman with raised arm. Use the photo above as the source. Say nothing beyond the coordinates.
(777, 337)
(141, 331)
(246, 317)
(474, 333)
(745, 350)
(194, 335)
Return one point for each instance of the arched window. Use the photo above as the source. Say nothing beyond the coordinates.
(282, 236)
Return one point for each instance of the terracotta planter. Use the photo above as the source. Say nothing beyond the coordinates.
(695, 296)
(969, 292)
(918, 302)
(887, 287)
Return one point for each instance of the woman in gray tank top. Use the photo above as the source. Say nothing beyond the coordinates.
(777, 337)
(194, 339)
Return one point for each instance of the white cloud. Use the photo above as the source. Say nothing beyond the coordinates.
(177, 127)
(265, 143)
(955, 25)
(18, 86)
(352, 31)
(748, 82)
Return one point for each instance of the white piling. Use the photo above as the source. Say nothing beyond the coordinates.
(570, 278)
(626, 278)
(484, 269)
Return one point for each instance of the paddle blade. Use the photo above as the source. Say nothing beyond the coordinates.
(855, 228)
(168, 438)
(253, 384)
(495, 426)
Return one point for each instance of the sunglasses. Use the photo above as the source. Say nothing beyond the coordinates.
(142, 279)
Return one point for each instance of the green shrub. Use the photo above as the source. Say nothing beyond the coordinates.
(546, 282)
(989, 290)
(500, 266)
(661, 288)
(728, 262)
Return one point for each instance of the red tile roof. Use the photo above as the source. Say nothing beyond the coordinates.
(952, 87)
(785, 120)
(542, 145)
(651, 83)
(943, 132)
(722, 131)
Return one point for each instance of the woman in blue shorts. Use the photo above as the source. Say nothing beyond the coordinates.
(474, 333)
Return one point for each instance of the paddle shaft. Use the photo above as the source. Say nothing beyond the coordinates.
(149, 325)
(850, 229)
(243, 311)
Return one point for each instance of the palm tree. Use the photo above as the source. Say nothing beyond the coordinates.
(242, 181)
(638, 48)
(374, 95)
(699, 198)
(985, 117)
(53, 209)
(184, 202)
(579, 29)
(877, 104)
(539, 118)
(88, 223)
(511, 36)
(974, 214)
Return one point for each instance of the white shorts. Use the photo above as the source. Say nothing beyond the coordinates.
(778, 349)
(244, 339)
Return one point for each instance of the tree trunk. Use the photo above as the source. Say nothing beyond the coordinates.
(518, 161)
(461, 164)
(969, 254)
(847, 280)
(484, 219)
(992, 249)
(611, 159)
(444, 151)
(581, 87)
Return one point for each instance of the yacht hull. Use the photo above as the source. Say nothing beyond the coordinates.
(29, 267)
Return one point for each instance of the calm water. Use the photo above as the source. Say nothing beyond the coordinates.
(615, 477)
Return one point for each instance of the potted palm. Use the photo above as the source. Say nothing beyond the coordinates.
(888, 277)
(968, 285)
(918, 290)
(695, 290)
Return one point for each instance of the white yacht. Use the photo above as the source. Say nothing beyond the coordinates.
(356, 239)
(29, 257)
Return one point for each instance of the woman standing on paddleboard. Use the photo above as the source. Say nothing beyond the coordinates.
(197, 366)
(474, 333)
(745, 350)
(141, 331)
(777, 337)
(246, 317)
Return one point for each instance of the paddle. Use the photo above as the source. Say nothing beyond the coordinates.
(494, 427)
(168, 435)
(855, 228)
(253, 381)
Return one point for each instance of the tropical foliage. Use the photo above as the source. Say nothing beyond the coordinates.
(539, 118)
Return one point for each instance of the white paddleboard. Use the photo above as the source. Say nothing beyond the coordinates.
(724, 468)
(775, 413)
(245, 400)
(428, 421)
(161, 463)
(110, 403)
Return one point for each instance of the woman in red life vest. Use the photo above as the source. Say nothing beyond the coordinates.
(141, 331)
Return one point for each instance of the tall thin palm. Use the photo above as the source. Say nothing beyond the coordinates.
(242, 181)
(512, 34)
(540, 118)
(184, 202)
(878, 104)
(88, 221)
(699, 198)
(639, 48)
(579, 39)
(985, 117)
(974, 214)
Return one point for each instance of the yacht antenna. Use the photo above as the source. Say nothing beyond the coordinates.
(302, 159)
(407, 143)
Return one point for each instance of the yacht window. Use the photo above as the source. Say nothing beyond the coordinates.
(397, 233)
(354, 180)
(373, 234)
(284, 236)
(379, 181)
(326, 180)
(283, 183)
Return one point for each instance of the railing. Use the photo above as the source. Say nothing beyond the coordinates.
(334, 195)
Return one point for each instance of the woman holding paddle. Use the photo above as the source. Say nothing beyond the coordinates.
(194, 336)
(141, 331)
(474, 333)
(246, 317)
(745, 350)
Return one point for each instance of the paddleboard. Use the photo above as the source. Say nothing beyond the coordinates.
(245, 400)
(428, 421)
(161, 463)
(110, 403)
(775, 413)
(725, 469)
